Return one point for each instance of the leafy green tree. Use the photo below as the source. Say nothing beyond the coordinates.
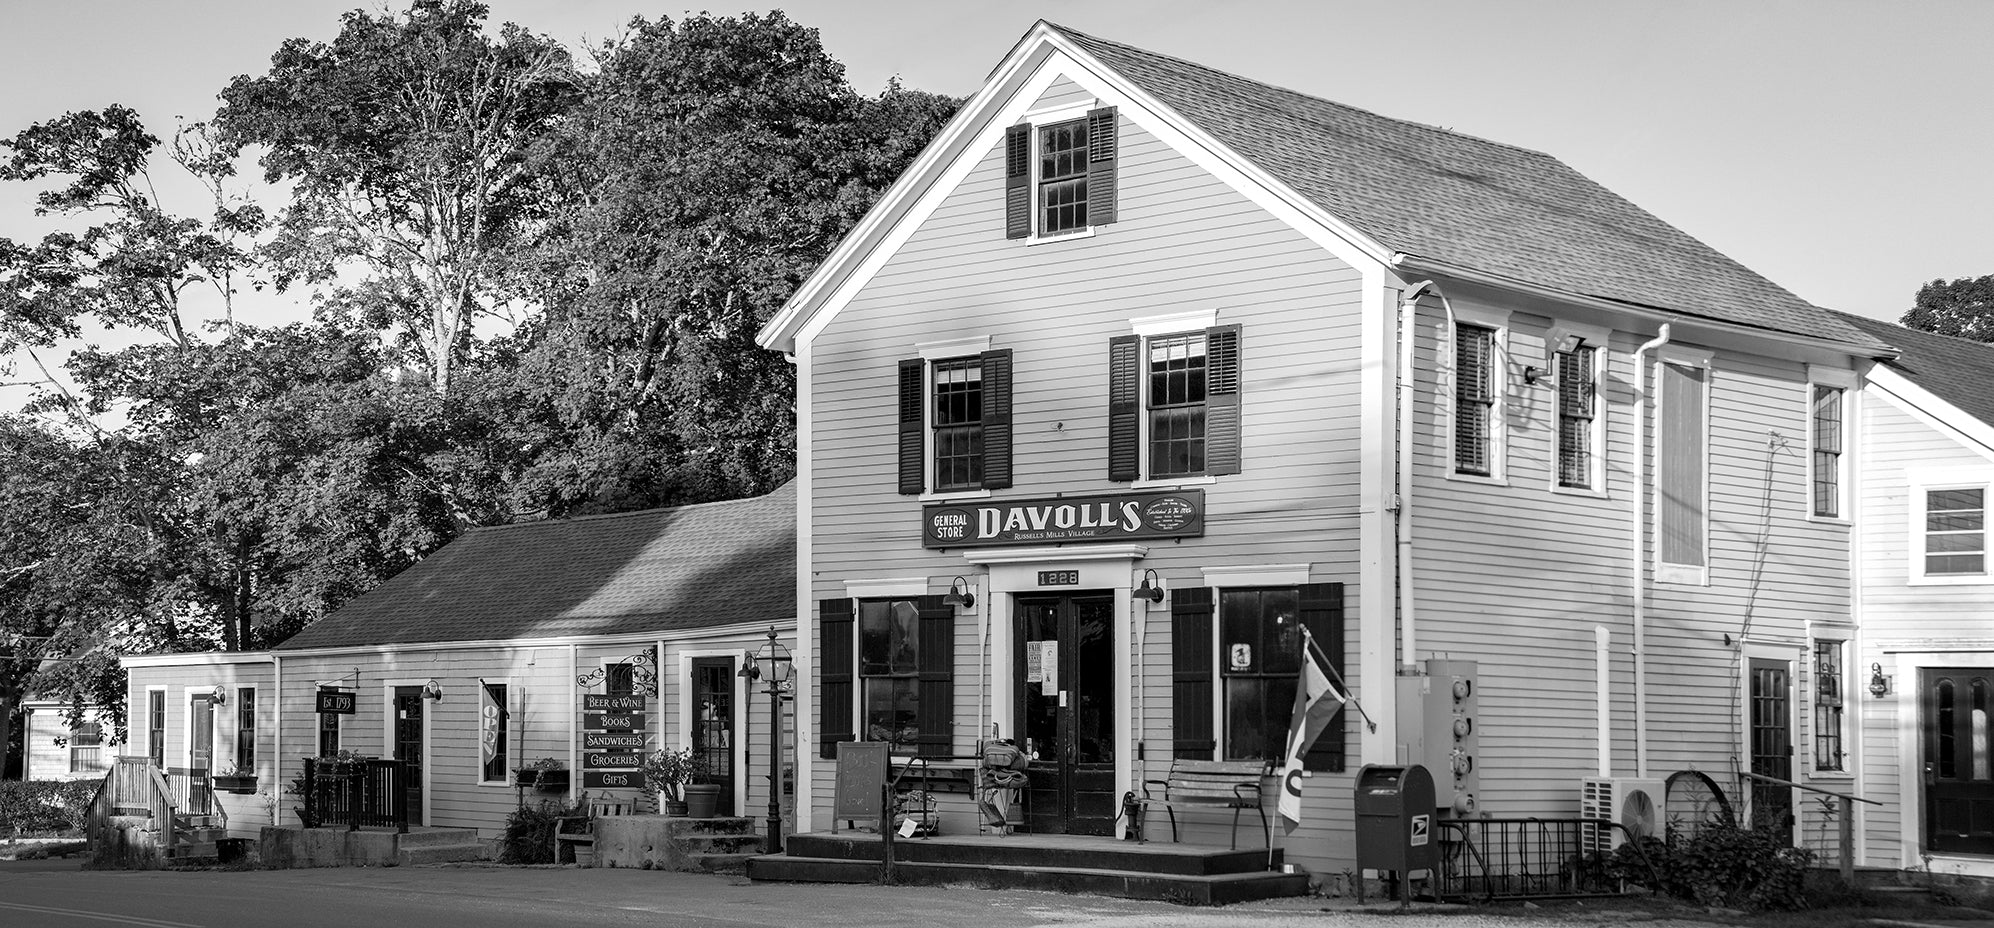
(404, 141)
(710, 164)
(1963, 308)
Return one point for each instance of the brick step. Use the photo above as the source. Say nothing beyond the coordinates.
(1186, 889)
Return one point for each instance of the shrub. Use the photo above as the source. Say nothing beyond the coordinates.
(529, 832)
(1723, 864)
(45, 807)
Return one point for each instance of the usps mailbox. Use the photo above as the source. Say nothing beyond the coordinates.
(1395, 820)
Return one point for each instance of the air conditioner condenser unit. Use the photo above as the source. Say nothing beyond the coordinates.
(1635, 803)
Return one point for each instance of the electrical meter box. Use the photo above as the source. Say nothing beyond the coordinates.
(1440, 729)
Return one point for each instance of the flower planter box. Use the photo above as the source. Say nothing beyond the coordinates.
(546, 781)
(239, 785)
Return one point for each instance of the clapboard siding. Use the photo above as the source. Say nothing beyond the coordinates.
(1517, 575)
(247, 814)
(45, 737)
(1906, 625)
(1183, 242)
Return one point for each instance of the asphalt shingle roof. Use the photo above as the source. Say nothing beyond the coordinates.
(662, 569)
(1957, 370)
(1468, 202)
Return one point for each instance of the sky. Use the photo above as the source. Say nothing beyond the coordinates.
(1843, 149)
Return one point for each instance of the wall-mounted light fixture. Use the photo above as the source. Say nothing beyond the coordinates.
(1565, 345)
(1151, 588)
(1879, 685)
(221, 694)
(432, 690)
(959, 595)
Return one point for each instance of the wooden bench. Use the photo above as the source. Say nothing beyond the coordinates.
(1222, 784)
(583, 834)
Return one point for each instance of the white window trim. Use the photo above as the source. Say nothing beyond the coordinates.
(1039, 119)
(428, 739)
(931, 352)
(509, 727)
(743, 700)
(187, 694)
(1844, 380)
(1145, 328)
(1665, 572)
(1600, 340)
(1498, 320)
(166, 719)
(1849, 708)
(1916, 498)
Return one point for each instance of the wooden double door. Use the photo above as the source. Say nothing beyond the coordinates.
(1065, 685)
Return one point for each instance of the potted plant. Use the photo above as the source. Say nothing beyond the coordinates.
(667, 773)
(235, 779)
(546, 774)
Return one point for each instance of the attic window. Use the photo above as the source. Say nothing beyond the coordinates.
(1060, 179)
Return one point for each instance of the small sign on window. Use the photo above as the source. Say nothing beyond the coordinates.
(1241, 656)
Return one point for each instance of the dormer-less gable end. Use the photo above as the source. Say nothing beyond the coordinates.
(1055, 122)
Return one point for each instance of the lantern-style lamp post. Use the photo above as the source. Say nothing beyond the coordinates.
(772, 665)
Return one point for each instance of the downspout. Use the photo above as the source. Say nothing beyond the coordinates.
(1408, 595)
(1638, 580)
(277, 742)
(574, 699)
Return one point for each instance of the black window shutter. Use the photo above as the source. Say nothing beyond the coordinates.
(1018, 182)
(1124, 408)
(1222, 412)
(1101, 147)
(934, 712)
(1322, 615)
(913, 430)
(835, 673)
(997, 419)
(1191, 669)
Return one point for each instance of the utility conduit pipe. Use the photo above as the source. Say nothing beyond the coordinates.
(1644, 404)
(1407, 384)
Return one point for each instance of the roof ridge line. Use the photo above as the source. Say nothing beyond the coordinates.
(1428, 127)
(600, 516)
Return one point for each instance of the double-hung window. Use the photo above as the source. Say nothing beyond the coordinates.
(955, 419)
(155, 726)
(1828, 396)
(888, 673)
(1578, 418)
(86, 742)
(1829, 729)
(1060, 176)
(1174, 404)
(1476, 385)
(1236, 659)
(245, 730)
(1955, 532)
(1682, 467)
(328, 734)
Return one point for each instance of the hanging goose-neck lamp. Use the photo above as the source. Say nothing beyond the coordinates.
(959, 595)
(1151, 588)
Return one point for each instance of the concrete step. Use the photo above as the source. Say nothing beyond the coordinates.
(439, 854)
(1185, 889)
(437, 837)
(722, 863)
(719, 844)
(712, 826)
(190, 850)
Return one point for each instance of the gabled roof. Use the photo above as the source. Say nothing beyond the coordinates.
(1430, 193)
(1957, 370)
(698, 566)
(1433, 198)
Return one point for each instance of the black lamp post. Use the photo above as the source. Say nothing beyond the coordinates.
(777, 679)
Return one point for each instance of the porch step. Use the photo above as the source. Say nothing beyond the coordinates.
(1097, 854)
(439, 854)
(1185, 889)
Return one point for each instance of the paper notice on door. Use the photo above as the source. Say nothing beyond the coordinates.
(1049, 667)
(1034, 663)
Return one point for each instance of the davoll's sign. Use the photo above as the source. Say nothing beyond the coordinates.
(1059, 520)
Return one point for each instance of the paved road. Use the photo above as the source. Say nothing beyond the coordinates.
(58, 894)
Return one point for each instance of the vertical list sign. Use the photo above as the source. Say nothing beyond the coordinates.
(612, 741)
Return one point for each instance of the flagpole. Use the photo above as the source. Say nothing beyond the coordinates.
(1330, 666)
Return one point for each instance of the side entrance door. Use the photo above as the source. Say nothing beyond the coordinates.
(1772, 744)
(713, 726)
(200, 749)
(408, 745)
(1959, 762)
(1065, 681)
